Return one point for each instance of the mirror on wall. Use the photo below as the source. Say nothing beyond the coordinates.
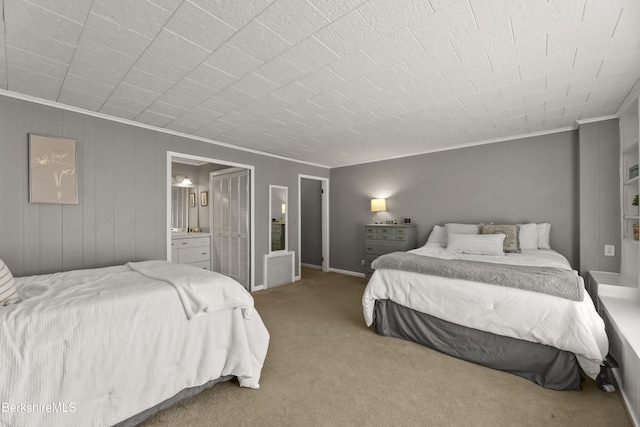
(184, 198)
(278, 211)
(179, 209)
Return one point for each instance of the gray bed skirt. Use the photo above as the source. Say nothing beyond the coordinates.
(547, 366)
(181, 395)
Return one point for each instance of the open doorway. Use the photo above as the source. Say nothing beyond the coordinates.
(313, 222)
(200, 202)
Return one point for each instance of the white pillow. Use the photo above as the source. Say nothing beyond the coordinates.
(528, 236)
(8, 292)
(544, 235)
(437, 236)
(460, 229)
(476, 244)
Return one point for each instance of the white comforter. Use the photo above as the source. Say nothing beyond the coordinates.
(573, 326)
(95, 347)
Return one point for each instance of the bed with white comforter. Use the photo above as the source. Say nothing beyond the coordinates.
(573, 326)
(96, 347)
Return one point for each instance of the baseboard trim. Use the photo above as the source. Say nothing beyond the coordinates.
(315, 267)
(347, 272)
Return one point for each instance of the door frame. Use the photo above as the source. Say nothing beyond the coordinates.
(325, 220)
(252, 225)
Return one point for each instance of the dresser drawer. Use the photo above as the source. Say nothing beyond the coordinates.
(205, 265)
(190, 255)
(385, 236)
(191, 242)
(379, 247)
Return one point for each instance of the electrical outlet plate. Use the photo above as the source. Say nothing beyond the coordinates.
(609, 250)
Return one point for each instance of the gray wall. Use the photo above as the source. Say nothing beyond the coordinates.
(311, 221)
(121, 214)
(527, 180)
(599, 195)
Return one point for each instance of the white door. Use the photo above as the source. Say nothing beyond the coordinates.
(231, 225)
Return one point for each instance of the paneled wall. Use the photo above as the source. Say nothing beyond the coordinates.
(122, 179)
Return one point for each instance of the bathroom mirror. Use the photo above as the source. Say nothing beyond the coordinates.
(179, 209)
(278, 211)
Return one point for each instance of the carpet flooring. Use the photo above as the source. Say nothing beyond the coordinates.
(326, 368)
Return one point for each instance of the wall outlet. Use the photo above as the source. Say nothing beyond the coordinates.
(362, 262)
(609, 250)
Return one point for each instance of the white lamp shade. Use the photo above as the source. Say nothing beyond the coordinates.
(378, 205)
(284, 208)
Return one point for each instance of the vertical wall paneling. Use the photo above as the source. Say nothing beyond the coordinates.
(14, 185)
(121, 213)
(32, 226)
(88, 195)
(104, 193)
(124, 195)
(72, 215)
(50, 214)
(145, 197)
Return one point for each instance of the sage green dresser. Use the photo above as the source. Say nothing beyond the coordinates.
(380, 239)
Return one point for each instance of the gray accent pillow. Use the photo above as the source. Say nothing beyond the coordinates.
(511, 241)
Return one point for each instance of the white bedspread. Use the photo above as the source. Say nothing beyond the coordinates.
(573, 326)
(95, 347)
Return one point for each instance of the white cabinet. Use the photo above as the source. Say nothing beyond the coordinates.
(192, 249)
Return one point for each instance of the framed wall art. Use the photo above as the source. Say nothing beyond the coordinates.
(52, 170)
(204, 198)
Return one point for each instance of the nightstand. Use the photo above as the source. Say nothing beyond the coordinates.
(380, 239)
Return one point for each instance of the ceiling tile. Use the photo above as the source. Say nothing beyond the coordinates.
(80, 84)
(147, 81)
(309, 55)
(255, 85)
(118, 112)
(106, 33)
(280, 71)
(294, 92)
(154, 119)
(89, 59)
(31, 61)
(79, 99)
(187, 94)
(200, 27)
(210, 77)
(334, 9)
(32, 83)
(233, 61)
(233, 12)
(347, 34)
(142, 17)
(74, 10)
(259, 41)
(387, 17)
(29, 18)
(294, 20)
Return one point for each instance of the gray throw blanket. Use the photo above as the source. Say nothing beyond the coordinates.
(547, 280)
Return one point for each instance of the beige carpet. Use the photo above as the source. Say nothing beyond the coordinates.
(326, 368)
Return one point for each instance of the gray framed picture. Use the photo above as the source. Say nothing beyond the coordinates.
(52, 170)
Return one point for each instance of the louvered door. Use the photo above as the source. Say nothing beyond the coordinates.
(231, 225)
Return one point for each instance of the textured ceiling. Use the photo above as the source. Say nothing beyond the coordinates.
(331, 82)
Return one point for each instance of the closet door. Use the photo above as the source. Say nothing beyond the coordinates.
(231, 225)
